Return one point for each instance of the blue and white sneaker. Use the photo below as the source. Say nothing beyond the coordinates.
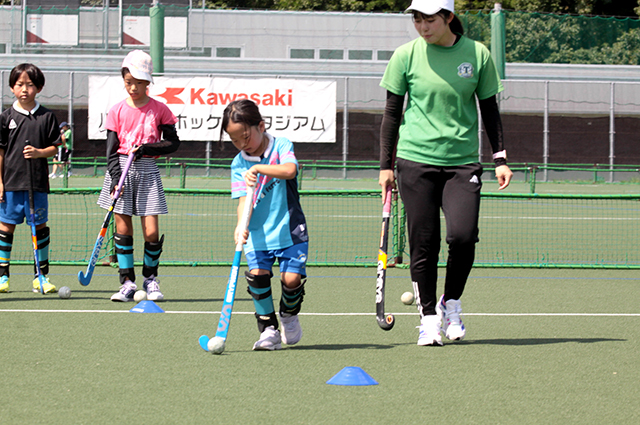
(125, 294)
(450, 313)
(152, 287)
(430, 330)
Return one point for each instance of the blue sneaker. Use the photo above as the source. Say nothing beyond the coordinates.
(152, 287)
(125, 294)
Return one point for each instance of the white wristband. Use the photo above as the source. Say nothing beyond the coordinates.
(501, 154)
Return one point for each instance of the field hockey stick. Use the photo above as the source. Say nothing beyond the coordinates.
(85, 278)
(32, 218)
(258, 190)
(386, 322)
(216, 344)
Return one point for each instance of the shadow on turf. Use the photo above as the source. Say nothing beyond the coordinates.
(333, 347)
(537, 341)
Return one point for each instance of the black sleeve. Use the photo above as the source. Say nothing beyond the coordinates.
(391, 120)
(113, 158)
(169, 143)
(493, 125)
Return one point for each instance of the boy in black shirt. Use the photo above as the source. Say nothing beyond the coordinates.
(26, 120)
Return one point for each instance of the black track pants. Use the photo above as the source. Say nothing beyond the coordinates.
(425, 190)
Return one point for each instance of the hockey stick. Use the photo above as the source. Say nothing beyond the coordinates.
(216, 344)
(32, 218)
(386, 322)
(85, 278)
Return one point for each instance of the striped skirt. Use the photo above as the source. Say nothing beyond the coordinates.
(143, 193)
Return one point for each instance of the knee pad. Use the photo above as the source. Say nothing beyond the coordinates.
(291, 299)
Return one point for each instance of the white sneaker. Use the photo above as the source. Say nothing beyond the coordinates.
(291, 330)
(53, 176)
(151, 285)
(430, 331)
(452, 325)
(125, 294)
(269, 340)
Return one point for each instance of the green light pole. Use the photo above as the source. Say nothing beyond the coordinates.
(156, 15)
(498, 39)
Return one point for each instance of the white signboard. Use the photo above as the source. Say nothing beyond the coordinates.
(300, 110)
(52, 29)
(136, 31)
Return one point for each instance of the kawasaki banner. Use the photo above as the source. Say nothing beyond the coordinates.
(300, 110)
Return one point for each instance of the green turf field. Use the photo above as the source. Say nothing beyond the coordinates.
(544, 346)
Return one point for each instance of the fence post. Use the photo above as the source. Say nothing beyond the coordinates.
(345, 128)
(2, 79)
(183, 175)
(545, 135)
(65, 175)
(532, 181)
(208, 157)
(612, 132)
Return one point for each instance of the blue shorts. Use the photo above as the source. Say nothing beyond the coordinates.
(292, 259)
(15, 207)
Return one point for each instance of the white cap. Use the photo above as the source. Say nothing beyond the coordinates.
(139, 64)
(430, 7)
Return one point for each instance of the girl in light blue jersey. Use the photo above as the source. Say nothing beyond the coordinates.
(277, 229)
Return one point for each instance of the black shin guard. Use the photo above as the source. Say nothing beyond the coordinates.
(152, 251)
(291, 299)
(124, 252)
(260, 289)
(6, 243)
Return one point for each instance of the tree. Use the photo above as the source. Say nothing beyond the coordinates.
(579, 7)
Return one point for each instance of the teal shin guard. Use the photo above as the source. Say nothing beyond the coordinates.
(6, 243)
(260, 290)
(42, 237)
(124, 252)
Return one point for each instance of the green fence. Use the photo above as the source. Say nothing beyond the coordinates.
(188, 169)
(516, 230)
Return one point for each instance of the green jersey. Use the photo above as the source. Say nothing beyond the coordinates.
(440, 124)
(68, 139)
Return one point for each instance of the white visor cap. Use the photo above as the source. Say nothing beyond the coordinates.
(430, 7)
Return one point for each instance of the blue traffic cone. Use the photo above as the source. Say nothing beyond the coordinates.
(352, 376)
(146, 307)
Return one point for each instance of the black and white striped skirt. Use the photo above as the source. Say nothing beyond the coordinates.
(143, 193)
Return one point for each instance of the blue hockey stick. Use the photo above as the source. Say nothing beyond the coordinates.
(85, 278)
(216, 344)
(32, 218)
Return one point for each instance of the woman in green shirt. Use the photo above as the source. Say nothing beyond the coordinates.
(436, 146)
